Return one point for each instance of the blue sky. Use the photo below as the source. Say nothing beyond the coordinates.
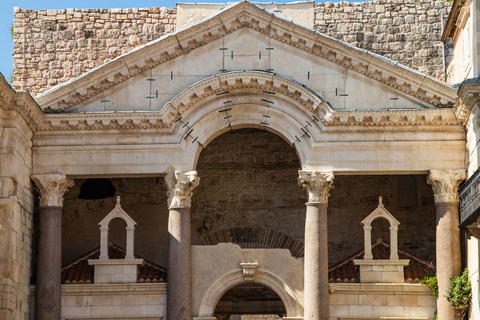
(6, 17)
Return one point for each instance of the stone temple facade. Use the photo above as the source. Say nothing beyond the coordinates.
(220, 161)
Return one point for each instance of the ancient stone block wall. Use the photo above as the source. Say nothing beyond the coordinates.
(54, 46)
(406, 31)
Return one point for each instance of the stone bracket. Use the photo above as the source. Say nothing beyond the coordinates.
(249, 269)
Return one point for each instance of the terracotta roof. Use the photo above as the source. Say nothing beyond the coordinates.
(346, 271)
(80, 271)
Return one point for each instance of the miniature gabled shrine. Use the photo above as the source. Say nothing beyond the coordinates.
(381, 270)
(116, 270)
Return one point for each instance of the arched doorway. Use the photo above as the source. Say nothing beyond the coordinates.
(249, 193)
(250, 301)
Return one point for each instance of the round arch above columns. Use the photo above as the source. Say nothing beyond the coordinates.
(236, 277)
(248, 99)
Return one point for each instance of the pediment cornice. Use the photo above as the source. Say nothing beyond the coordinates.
(246, 15)
(22, 103)
(256, 88)
(468, 98)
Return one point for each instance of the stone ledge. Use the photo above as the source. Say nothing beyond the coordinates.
(118, 289)
(380, 288)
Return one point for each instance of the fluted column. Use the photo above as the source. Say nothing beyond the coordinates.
(445, 187)
(48, 289)
(317, 184)
(180, 191)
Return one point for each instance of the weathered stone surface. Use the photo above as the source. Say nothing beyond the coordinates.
(78, 40)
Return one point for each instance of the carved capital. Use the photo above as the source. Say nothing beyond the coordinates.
(180, 188)
(445, 184)
(317, 184)
(52, 187)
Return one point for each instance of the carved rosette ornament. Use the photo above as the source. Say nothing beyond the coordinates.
(445, 184)
(52, 187)
(180, 188)
(317, 184)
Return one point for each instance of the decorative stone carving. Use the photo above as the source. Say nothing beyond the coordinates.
(107, 270)
(180, 188)
(317, 184)
(381, 270)
(380, 212)
(52, 187)
(445, 184)
(249, 269)
(117, 212)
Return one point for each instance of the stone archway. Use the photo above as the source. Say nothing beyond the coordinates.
(235, 278)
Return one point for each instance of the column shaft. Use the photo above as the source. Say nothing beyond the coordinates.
(179, 297)
(448, 255)
(316, 262)
(48, 288)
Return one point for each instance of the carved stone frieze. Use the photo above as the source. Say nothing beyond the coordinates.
(317, 184)
(251, 84)
(247, 15)
(180, 188)
(52, 187)
(22, 103)
(391, 117)
(445, 184)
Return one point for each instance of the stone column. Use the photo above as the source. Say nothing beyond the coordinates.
(180, 190)
(48, 289)
(317, 184)
(445, 187)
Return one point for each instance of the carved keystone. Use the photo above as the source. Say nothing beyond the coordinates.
(249, 269)
(317, 184)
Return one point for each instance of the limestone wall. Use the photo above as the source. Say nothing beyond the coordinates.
(54, 46)
(16, 212)
(149, 301)
(407, 31)
(381, 301)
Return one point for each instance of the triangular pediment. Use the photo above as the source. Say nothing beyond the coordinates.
(245, 36)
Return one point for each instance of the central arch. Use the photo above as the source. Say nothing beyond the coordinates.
(247, 99)
(235, 278)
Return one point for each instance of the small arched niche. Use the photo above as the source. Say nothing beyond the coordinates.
(381, 270)
(105, 268)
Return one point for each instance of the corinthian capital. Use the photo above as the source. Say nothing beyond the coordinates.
(317, 184)
(445, 184)
(52, 187)
(180, 188)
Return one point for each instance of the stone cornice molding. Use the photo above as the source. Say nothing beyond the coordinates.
(372, 118)
(263, 86)
(445, 184)
(52, 187)
(245, 15)
(468, 98)
(317, 184)
(22, 103)
(180, 188)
